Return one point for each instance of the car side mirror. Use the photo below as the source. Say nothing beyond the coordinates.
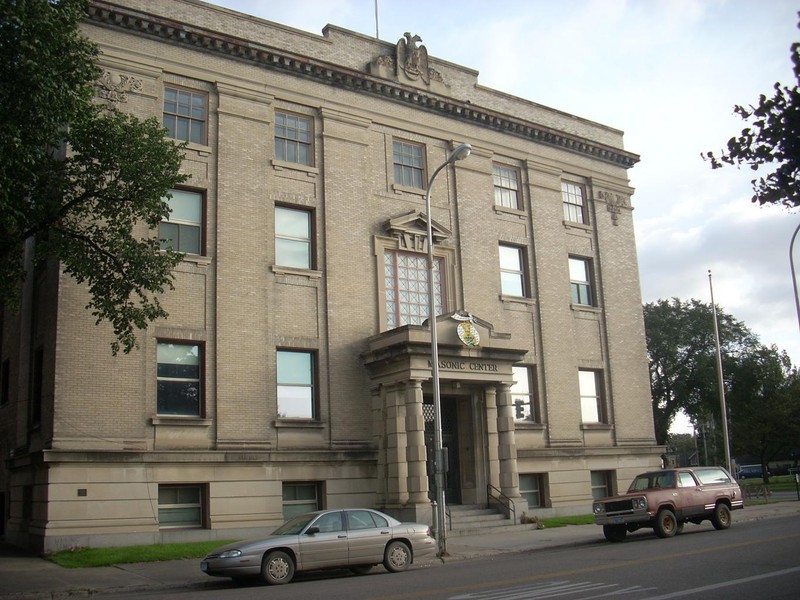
(312, 530)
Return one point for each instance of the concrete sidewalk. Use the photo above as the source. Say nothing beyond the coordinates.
(25, 576)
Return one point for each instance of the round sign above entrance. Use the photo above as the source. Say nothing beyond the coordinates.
(468, 333)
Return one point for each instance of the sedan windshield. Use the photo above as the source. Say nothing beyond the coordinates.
(294, 526)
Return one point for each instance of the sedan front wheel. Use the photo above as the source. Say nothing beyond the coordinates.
(277, 568)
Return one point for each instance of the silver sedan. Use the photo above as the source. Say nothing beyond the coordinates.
(355, 538)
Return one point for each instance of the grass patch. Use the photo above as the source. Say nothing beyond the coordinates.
(564, 521)
(79, 558)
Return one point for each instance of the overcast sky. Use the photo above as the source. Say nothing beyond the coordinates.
(667, 73)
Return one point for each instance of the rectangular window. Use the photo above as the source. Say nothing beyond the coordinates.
(574, 207)
(512, 272)
(185, 115)
(300, 497)
(296, 393)
(36, 389)
(5, 382)
(409, 164)
(179, 389)
(293, 238)
(506, 187)
(601, 484)
(180, 506)
(182, 230)
(580, 280)
(293, 136)
(530, 488)
(591, 386)
(522, 394)
(406, 283)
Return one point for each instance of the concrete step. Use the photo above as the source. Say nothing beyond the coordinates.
(478, 519)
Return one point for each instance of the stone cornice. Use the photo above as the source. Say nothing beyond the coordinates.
(109, 14)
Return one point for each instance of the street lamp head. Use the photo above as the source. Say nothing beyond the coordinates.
(460, 152)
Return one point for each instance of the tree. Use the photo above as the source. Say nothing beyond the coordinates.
(764, 405)
(682, 355)
(80, 179)
(772, 136)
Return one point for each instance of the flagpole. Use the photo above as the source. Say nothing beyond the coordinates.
(721, 381)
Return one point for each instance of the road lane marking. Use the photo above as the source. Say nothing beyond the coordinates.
(724, 584)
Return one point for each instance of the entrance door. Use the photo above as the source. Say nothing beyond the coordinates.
(452, 489)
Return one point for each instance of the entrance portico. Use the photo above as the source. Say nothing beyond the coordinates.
(475, 371)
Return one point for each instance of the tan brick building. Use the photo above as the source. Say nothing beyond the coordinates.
(294, 369)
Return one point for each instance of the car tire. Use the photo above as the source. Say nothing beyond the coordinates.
(397, 556)
(721, 519)
(666, 523)
(277, 568)
(615, 533)
(361, 569)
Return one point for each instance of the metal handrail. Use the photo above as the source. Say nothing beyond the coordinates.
(503, 500)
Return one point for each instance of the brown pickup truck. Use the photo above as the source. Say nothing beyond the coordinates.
(666, 499)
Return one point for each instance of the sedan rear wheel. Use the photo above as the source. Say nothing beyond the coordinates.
(397, 557)
(666, 523)
(277, 568)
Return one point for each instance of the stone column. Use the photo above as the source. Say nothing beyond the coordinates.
(396, 442)
(507, 447)
(492, 441)
(379, 440)
(415, 451)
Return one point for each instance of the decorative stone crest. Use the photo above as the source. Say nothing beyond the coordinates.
(614, 204)
(467, 332)
(412, 58)
(114, 87)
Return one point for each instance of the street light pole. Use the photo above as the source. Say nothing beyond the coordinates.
(721, 382)
(794, 275)
(460, 152)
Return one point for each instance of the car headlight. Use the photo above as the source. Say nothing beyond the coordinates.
(598, 508)
(640, 503)
(230, 554)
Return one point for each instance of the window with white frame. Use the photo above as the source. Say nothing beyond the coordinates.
(182, 230)
(506, 186)
(522, 394)
(296, 390)
(580, 280)
(293, 246)
(591, 391)
(574, 205)
(512, 271)
(406, 288)
(178, 374)
(180, 505)
(531, 488)
(409, 164)
(185, 115)
(601, 484)
(300, 497)
(293, 138)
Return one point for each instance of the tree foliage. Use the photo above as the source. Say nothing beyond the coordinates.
(761, 385)
(772, 136)
(79, 178)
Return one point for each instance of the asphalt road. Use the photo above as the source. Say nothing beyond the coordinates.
(757, 559)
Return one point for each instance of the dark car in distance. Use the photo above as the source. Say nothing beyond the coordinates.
(665, 500)
(356, 538)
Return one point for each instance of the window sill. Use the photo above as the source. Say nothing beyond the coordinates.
(530, 425)
(181, 421)
(402, 189)
(586, 308)
(280, 165)
(200, 149)
(299, 423)
(310, 273)
(596, 427)
(517, 300)
(576, 225)
(505, 210)
(197, 259)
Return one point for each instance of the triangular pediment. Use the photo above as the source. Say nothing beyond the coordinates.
(415, 223)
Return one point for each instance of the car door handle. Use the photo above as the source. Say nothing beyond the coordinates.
(342, 537)
(384, 533)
